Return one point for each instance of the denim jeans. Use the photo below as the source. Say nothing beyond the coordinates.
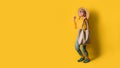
(77, 47)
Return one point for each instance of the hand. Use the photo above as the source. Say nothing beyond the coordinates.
(74, 17)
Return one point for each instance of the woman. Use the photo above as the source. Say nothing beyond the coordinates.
(81, 23)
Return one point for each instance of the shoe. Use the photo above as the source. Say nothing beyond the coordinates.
(81, 59)
(86, 60)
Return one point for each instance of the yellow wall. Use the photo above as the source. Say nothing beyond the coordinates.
(41, 34)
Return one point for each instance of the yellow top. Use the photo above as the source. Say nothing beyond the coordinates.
(80, 22)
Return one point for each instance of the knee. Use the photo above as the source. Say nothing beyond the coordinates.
(77, 48)
(84, 48)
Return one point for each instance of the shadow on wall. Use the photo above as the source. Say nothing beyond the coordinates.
(94, 46)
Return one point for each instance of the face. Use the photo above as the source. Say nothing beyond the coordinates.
(80, 13)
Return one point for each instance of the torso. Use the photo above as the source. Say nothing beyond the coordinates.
(80, 23)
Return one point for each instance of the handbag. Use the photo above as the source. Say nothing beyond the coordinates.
(84, 35)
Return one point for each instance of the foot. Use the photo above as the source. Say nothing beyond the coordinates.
(81, 59)
(86, 60)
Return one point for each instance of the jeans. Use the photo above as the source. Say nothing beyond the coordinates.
(77, 47)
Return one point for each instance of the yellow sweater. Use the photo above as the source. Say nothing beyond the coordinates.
(81, 22)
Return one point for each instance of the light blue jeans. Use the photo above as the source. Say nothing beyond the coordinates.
(77, 47)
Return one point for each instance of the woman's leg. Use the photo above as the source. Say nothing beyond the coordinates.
(77, 47)
(84, 50)
(86, 54)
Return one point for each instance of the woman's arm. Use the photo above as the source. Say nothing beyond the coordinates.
(75, 22)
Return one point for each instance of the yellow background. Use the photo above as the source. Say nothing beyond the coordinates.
(41, 34)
